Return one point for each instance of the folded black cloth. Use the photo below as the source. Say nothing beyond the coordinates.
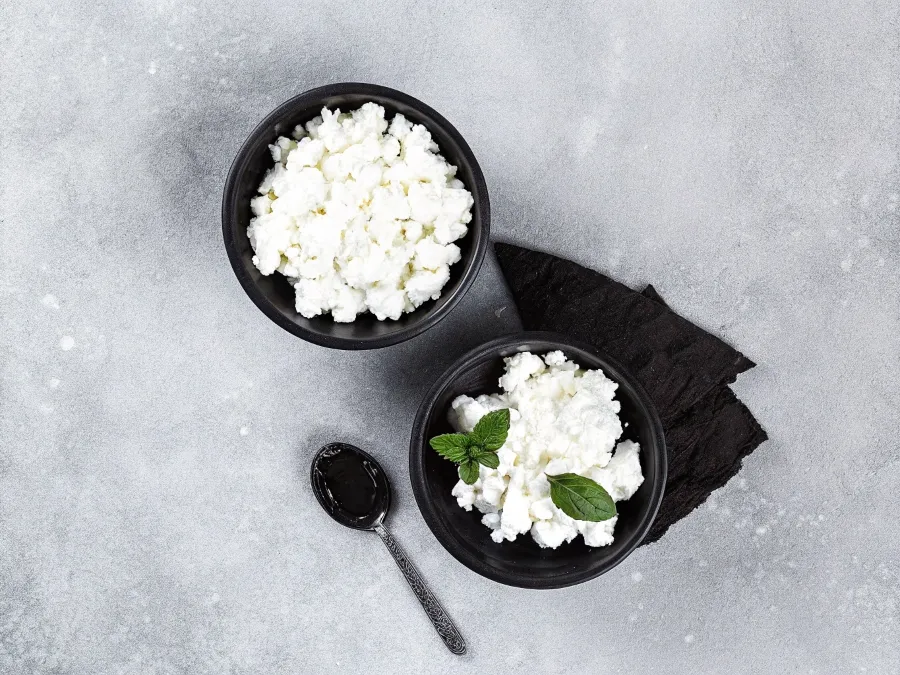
(684, 369)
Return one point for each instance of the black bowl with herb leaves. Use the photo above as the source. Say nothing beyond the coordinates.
(522, 562)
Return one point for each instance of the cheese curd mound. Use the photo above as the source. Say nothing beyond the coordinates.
(562, 420)
(360, 215)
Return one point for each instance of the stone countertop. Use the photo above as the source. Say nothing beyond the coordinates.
(155, 427)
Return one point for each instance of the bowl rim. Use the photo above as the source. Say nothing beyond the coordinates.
(615, 371)
(230, 226)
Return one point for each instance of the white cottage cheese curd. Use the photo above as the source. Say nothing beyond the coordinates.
(359, 215)
(562, 420)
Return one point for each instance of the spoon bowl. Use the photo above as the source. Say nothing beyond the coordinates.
(351, 486)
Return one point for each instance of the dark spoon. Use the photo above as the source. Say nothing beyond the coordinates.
(352, 487)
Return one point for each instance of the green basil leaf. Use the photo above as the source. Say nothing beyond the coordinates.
(451, 446)
(492, 429)
(489, 459)
(581, 498)
(468, 472)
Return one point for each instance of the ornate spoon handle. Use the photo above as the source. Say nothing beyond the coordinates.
(442, 623)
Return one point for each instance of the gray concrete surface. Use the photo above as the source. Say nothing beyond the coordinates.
(154, 509)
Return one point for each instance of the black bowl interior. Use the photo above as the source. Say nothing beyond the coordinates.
(522, 562)
(273, 294)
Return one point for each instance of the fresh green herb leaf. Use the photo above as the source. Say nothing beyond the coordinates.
(488, 458)
(492, 429)
(581, 498)
(451, 446)
(468, 471)
(477, 448)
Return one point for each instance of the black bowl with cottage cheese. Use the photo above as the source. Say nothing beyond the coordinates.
(273, 293)
(523, 562)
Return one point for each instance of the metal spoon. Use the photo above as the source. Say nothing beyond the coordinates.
(352, 487)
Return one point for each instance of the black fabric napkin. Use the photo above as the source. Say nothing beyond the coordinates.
(684, 369)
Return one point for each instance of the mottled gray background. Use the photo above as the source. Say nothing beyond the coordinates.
(155, 515)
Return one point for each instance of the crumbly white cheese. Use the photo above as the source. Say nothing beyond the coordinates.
(359, 215)
(562, 420)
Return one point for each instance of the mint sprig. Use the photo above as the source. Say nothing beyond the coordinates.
(478, 447)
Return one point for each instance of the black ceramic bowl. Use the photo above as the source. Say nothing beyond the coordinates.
(273, 294)
(522, 562)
